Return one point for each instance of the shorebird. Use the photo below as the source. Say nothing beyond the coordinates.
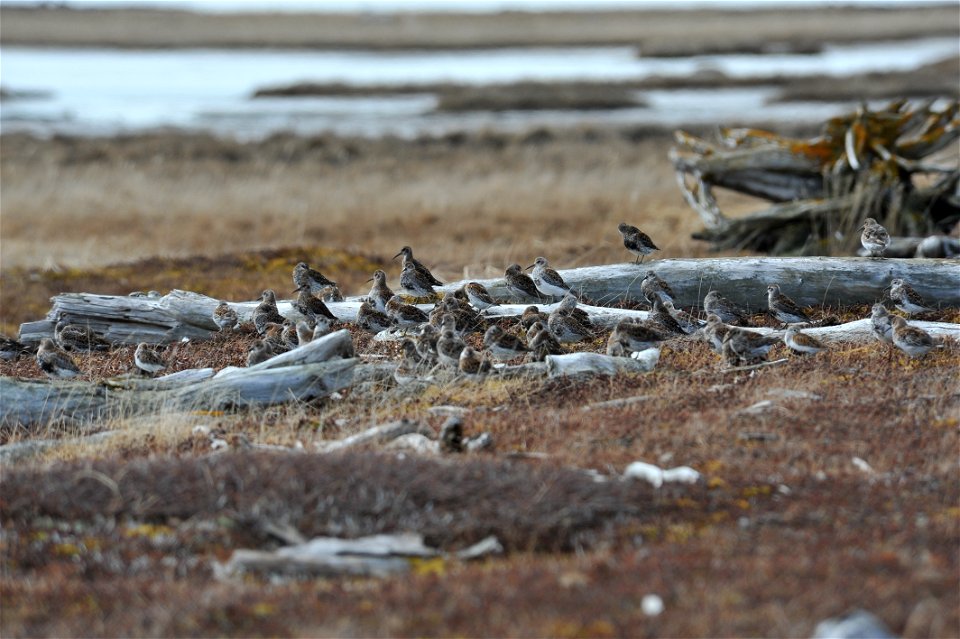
(259, 352)
(547, 280)
(426, 343)
(55, 362)
(913, 341)
(714, 332)
(907, 299)
(273, 337)
(802, 343)
(636, 241)
(370, 319)
(380, 293)
(542, 342)
(783, 308)
(520, 283)
(305, 331)
(533, 314)
(225, 317)
(11, 349)
(415, 281)
(615, 347)
(566, 328)
(685, 320)
(289, 335)
(473, 363)
(503, 346)
(874, 237)
(324, 326)
(405, 314)
(148, 359)
(637, 336)
(408, 258)
(310, 306)
(748, 346)
(410, 364)
(881, 324)
(653, 287)
(569, 303)
(303, 275)
(330, 294)
(478, 295)
(449, 347)
(74, 337)
(724, 309)
(660, 316)
(266, 312)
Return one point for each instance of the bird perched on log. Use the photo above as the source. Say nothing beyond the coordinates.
(11, 349)
(266, 312)
(310, 306)
(653, 287)
(303, 275)
(74, 337)
(478, 295)
(405, 314)
(913, 341)
(503, 345)
(55, 362)
(636, 241)
(415, 282)
(380, 293)
(408, 258)
(783, 308)
(802, 343)
(370, 319)
(906, 299)
(881, 324)
(520, 283)
(747, 346)
(874, 237)
(547, 280)
(225, 317)
(148, 359)
(723, 308)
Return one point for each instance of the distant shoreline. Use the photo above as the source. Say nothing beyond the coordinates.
(656, 33)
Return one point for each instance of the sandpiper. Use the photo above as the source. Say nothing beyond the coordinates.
(330, 294)
(532, 314)
(405, 314)
(303, 275)
(660, 316)
(11, 349)
(783, 308)
(266, 312)
(503, 346)
(802, 343)
(148, 359)
(685, 320)
(380, 293)
(907, 299)
(913, 341)
(408, 258)
(881, 324)
(636, 241)
(225, 317)
(473, 363)
(273, 337)
(290, 338)
(520, 283)
(305, 331)
(479, 296)
(547, 280)
(714, 332)
(569, 303)
(449, 347)
(426, 343)
(414, 281)
(566, 328)
(542, 342)
(55, 362)
(874, 237)
(748, 346)
(74, 337)
(311, 306)
(370, 319)
(323, 327)
(724, 309)
(615, 347)
(637, 336)
(259, 352)
(410, 364)
(652, 287)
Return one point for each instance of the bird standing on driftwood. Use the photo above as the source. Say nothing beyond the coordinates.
(874, 237)
(636, 241)
(425, 274)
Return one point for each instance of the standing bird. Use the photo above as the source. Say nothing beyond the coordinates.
(748, 346)
(305, 332)
(874, 237)
(225, 317)
(473, 363)
(502, 345)
(380, 293)
(547, 280)
(723, 308)
(408, 258)
(542, 342)
(783, 308)
(148, 359)
(685, 320)
(370, 319)
(74, 337)
(661, 317)
(259, 352)
(907, 299)
(569, 303)
(566, 328)
(532, 314)
(266, 312)
(311, 306)
(55, 362)
(652, 287)
(801, 342)
(913, 341)
(449, 347)
(410, 365)
(636, 241)
(405, 314)
(520, 283)
(715, 331)
(416, 282)
(881, 324)
(303, 275)
(478, 295)
(323, 327)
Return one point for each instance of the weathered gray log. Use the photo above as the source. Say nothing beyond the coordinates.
(598, 364)
(377, 435)
(30, 403)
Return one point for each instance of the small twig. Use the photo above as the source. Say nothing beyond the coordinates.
(754, 366)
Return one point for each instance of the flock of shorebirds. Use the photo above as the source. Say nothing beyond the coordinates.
(438, 336)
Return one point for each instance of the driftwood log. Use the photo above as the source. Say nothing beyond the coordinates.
(28, 403)
(809, 281)
(864, 164)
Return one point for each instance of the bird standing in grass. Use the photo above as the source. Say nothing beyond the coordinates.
(874, 237)
(802, 343)
(783, 308)
(913, 341)
(907, 299)
(636, 241)
(748, 346)
(502, 345)
(148, 359)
